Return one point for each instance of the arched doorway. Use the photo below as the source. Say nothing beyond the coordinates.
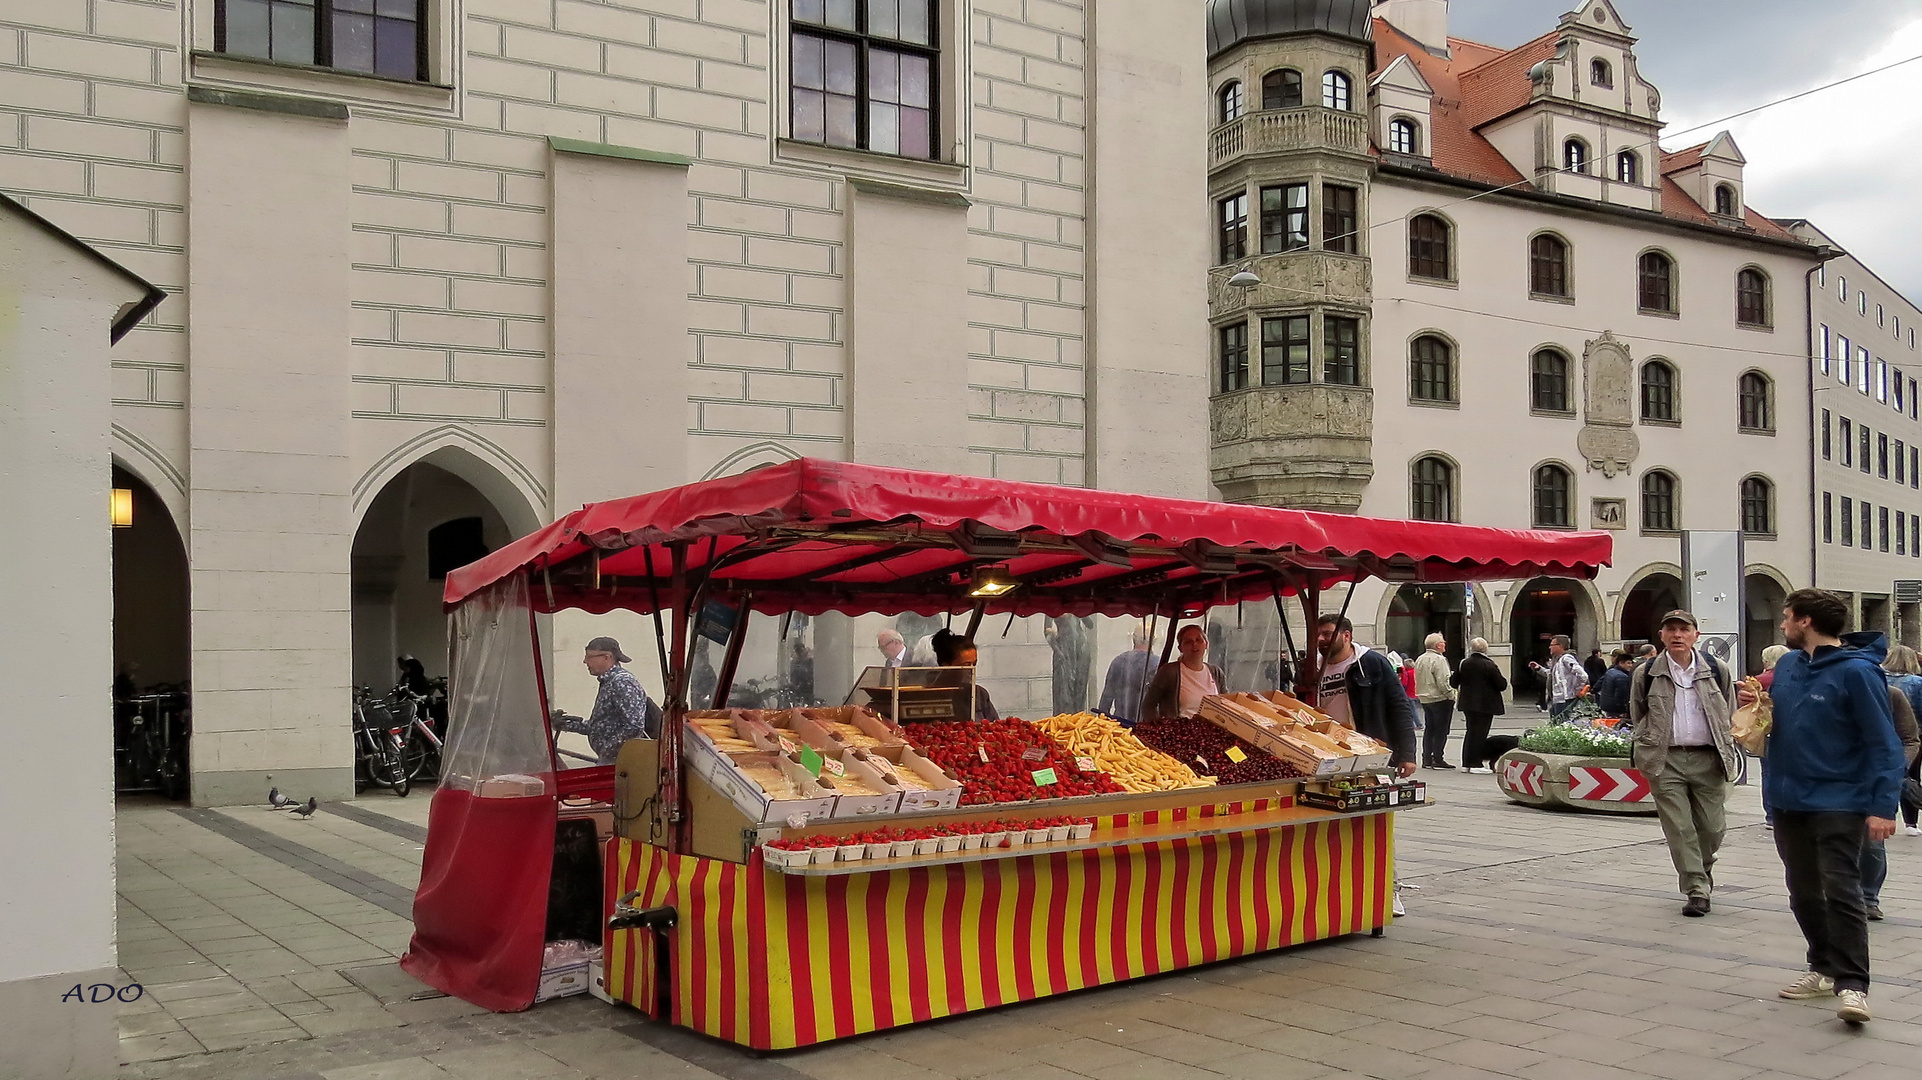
(423, 523)
(1420, 610)
(1642, 609)
(1543, 608)
(152, 660)
(1762, 608)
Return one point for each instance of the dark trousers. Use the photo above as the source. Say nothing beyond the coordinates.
(1437, 718)
(1821, 854)
(1475, 742)
(1915, 773)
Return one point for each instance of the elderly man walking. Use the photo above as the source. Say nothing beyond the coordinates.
(1434, 691)
(1680, 704)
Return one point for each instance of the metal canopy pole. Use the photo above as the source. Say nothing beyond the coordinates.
(974, 620)
(731, 660)
(1310, 596)
(673, 794)
(1287, 639)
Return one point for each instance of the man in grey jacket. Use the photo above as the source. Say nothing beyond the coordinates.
(1680, 703)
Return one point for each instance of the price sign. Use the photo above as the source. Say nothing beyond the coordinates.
(1235, 755)
(983, 751)
(833, 767)
(881, 763)
(1085, 764)
(1045, 778)
(811, 761)
(1033, 753)
(787, 745)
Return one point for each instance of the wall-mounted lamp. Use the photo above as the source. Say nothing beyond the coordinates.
(122, 507)
(992, 581)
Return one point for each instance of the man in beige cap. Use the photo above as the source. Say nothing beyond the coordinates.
(1679, 705)
(622, 710)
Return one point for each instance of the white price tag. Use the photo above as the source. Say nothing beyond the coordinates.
(1085, 764)
(983, 751)
(833, 767)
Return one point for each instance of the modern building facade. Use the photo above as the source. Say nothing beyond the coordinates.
(1470, 286)
(1868, 442)
(445, 271)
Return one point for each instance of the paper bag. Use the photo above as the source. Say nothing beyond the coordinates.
(1750, 724)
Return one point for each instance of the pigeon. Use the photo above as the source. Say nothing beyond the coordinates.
(307, 811)
(278, 801)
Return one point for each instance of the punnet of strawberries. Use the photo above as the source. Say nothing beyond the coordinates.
(1204, 747)
(1007, 773)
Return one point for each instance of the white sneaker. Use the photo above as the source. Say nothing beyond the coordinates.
(1911, 830)
(1810, 985)
(1854, 1007)
(1398, 909)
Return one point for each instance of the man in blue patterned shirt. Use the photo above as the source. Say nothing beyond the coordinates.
(621, 708)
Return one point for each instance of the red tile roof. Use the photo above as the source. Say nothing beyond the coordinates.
(1480, 83)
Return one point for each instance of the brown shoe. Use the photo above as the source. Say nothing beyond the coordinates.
(1696, 907)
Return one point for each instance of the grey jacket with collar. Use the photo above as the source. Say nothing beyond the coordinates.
(1651, 711)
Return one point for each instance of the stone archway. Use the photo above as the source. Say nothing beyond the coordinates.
(1762, 600)
(1653, 595)
(1538, 610)
(151, 648)
(1415, 611)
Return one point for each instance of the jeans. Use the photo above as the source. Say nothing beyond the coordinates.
(1559, 709)
(1875, 870)
(1691, 796)
(1822, 860)
(1437, 717)
(1474, 742)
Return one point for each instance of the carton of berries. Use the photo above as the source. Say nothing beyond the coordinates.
(901, 841)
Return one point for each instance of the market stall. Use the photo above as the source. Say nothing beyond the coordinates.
(792, 876)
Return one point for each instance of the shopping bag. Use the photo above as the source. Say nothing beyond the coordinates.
(1751, 723)
(1911, 794)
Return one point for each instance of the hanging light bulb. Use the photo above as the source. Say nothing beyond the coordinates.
(992, 581)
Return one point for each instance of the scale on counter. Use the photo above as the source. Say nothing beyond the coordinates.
(917, 695)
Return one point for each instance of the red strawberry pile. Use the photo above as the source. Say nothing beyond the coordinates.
(890, 834)
(1204, 747)
(993, 761)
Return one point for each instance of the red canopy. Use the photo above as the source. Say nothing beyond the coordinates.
(816, 536)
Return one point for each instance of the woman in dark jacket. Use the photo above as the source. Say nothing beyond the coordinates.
(1482, 687)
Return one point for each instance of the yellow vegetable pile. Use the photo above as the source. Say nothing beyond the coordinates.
(1115, 751)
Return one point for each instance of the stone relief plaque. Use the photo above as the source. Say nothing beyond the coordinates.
(1608, 514)
(1607, 440)
(1608, 450)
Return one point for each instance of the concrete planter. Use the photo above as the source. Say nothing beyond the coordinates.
(1604, 785)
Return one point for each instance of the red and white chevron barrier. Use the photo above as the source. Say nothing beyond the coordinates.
(1524, 777)
(1588, 784)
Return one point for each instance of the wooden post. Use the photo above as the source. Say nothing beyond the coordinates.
(731, 660)
(1310, 595)
(673, 793)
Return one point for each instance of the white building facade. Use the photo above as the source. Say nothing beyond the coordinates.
(1868, 443)
(1487, 296)
(442, 277)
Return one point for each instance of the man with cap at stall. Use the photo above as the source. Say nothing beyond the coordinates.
(1680, 704)
(621, 708)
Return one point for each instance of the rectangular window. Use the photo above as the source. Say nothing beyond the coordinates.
(1848, 443)
(1284, 218)
(1881, 318)
(1896, 389)
(1901, 533)
(1862, 460)
(1341, 350)
(1915, 466)
(1284, 350)
(1848, 522)
(1340, 219)
(1842, 365)
(1900, 457)
(865, 75)
(1234, 356)
(1862, 368)
(1827, 444)
(1868, 526)
(1882, 518)
(1882, 381)
(1828, 517)
(1827, 344)
(1882, 456)
(385, 38)
(1912, 400)
(1234, 228)
(1915, 536)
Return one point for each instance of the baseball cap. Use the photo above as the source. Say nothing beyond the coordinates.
(609, 645)
(1678, 615)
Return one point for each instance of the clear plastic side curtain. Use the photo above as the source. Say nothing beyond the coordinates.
(498, 717)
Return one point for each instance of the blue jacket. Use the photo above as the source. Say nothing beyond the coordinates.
(1611, 691)
(1834, 747)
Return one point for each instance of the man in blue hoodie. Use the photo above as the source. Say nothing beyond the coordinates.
(1834, 781)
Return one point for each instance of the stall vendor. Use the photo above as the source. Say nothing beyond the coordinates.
(621, 708)
(957, 650)
(1179, 685)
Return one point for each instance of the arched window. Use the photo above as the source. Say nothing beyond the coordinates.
(1628, 167)
(1403, 136)
(1337, 92)
(1757, 402)
(1431, 490)
(1575, 156)
(1548, 266)
(1658, 502)
(1548, 382)
(1230, 99)
(1725, 200)
(1758, 507)
(1281, 89)
(1656, 282)
(1431, 369)
(1600, 73)
(1752, 298)
(1554, 490)
(1428, 247)
(1658, 391)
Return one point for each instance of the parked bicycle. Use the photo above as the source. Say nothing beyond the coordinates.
(421, 744)
(379, 740)
(151, 740)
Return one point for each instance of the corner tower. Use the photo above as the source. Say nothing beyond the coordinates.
(1292, 412)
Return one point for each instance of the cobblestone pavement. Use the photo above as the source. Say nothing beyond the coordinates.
(1542, 946)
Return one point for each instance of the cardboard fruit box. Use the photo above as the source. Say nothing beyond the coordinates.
(1271, 733)
(747, 796)
(944, 791)
(850, 803)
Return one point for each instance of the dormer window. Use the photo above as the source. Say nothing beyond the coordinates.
(1403, 136)
(1337, 92)
(1281, 89)
(1725, 204)
(1575, 156)
(1600, 73)
(1230, 100)
(1628, 167)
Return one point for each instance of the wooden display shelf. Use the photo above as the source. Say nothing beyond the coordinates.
(1103, 838)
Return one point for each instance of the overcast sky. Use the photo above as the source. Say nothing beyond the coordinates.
(1836, 158)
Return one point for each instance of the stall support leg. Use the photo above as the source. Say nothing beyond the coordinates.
(731, 660)
(673, 792)
(1311, 657)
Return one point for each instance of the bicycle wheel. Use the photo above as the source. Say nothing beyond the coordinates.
(415, 754)
(390, 764)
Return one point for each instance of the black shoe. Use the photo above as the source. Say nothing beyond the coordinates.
(1874, 912)
(1696, 907)
(1443, 765)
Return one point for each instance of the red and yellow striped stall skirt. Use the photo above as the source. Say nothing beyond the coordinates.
(775, 961)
